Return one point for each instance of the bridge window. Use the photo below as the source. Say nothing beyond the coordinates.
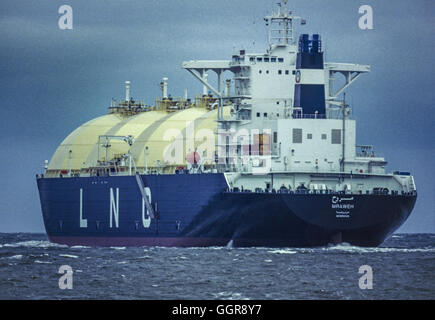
(266, 59)
(286, 72)
(280, 59)
(323, 136)
(272, 59)
(310, 136)
(297, 135)
(252, 59)
(259, 59)
(279, 71)
(336, 136)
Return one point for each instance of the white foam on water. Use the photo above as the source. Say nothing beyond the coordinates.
(283, 251)
(268, 260)
(17, 256)
(43, 262)
(343, 247)
(118, 248)
(209, 248)
(33, 244)
(68, 256)
(355, 249)
(229, 295)
(80, 247)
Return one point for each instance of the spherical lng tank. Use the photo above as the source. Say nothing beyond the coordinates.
(161, 141)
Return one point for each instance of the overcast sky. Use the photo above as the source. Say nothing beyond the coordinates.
(52, 80)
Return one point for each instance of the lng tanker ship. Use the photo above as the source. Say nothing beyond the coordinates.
(265, 158)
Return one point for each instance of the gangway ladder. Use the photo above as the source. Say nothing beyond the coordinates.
(144, 196)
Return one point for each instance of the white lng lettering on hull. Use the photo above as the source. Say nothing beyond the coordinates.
(83, 222)
(114, 208)
(146, 222)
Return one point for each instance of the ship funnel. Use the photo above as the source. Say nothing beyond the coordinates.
(204, 88)
(165, 88)
(227, 87)
(127, 90)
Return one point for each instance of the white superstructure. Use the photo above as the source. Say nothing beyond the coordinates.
(289, 126)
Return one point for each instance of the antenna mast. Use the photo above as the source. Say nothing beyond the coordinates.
(281, 25)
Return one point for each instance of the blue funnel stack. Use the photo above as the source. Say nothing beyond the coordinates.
(310, 54)
(310, 96)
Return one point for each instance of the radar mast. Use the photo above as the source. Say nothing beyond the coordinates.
(281, 25)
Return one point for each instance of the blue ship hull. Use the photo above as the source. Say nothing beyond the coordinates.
(198, 210)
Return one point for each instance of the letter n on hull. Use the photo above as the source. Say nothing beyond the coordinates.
(114, 208)
(146, 220)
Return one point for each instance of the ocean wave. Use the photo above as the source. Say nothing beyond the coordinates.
(229, 295)
(283, 251)
(205, 248)
(68, 256)
(17, 256)
(33, 244)
(42, 262)
(355, 249)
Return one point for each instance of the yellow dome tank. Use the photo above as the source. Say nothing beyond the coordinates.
(161, 141)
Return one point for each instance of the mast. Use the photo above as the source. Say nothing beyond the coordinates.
(281, 25)
(344, 109)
